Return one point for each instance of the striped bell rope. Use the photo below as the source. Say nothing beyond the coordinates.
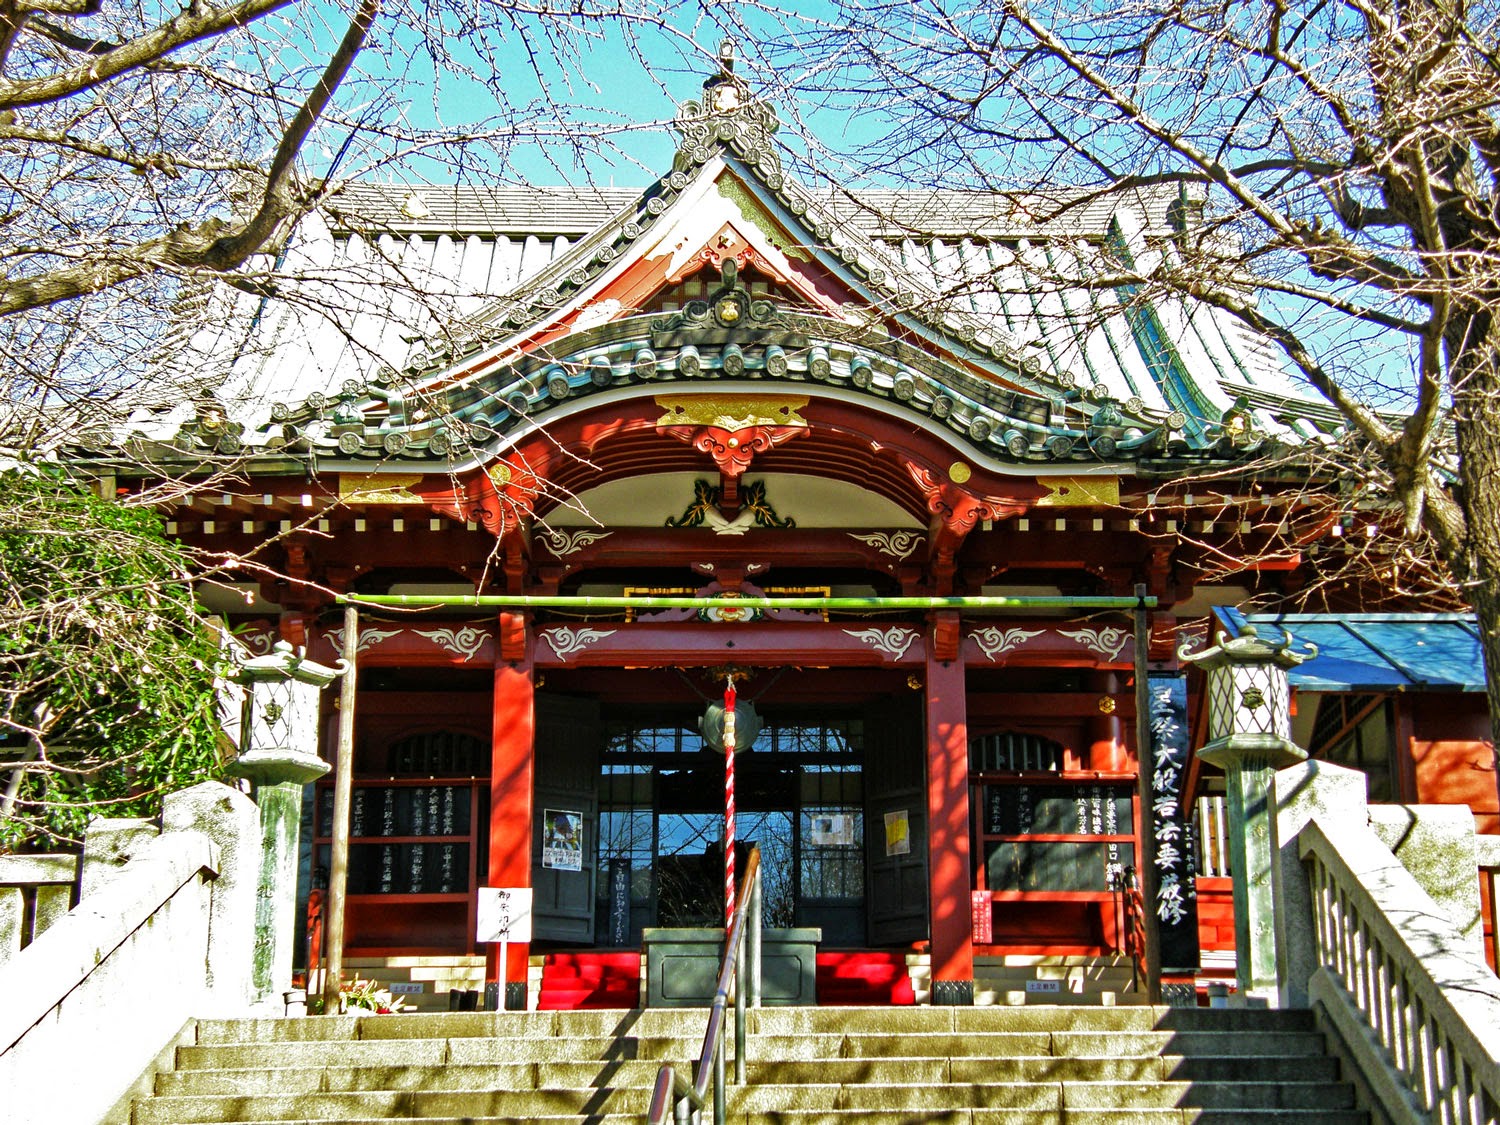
(729, 696)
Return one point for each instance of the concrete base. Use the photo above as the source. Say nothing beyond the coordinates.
(957, 993)
(682, 965)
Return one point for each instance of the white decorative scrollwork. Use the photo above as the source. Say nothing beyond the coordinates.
(258, 643)
(368, 638)
(1109, 641)
(566, 640)
(896, 543)
(463, 642)
(893, 642)
(993, 641)
(564, 543)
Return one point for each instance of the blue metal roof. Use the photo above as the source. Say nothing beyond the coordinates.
(1376, 651)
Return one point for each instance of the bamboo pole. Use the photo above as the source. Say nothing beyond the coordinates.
(338, 864)
(816, 604)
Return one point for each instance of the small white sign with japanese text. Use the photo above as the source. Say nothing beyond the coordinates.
(504, 914)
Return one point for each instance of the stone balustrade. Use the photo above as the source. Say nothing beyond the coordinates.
(1384, 945)
(104, 989)
(35, 891)
(1397, 983)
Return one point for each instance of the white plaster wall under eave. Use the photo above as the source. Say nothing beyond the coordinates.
(648, 501)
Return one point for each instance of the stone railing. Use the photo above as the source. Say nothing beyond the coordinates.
(35, 891)
(1396, 973)
(1395, 983)
(90, 1003)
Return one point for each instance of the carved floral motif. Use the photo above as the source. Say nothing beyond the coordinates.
(892, 642)
(1109, 641)
(566, 640)
(368, 638)
(463, 642)
(565, 543)
(898, 544)
(993, 641)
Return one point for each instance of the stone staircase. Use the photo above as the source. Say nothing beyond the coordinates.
(807, 1066)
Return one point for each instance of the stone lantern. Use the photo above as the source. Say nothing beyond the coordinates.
(1249, 726)
(278, 744)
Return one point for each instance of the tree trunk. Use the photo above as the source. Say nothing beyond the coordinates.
(1476, 405)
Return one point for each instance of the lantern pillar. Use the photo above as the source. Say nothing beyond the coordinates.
(1249, 717)
(278, 741)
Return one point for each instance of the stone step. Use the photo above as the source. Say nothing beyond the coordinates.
(1031, 1017)
(517, 1105)
(691, 1021)
(440, 1052)
(642, 1072)
(450, 1025)
(1174, 1116)
(1054, 1098)
(1080, 1044)
(993, 1045)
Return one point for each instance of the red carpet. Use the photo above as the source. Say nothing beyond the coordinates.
(590, 980)
(864, 978)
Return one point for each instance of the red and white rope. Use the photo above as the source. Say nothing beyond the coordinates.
(729, 695)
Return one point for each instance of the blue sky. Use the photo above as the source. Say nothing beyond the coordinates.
(617, 75)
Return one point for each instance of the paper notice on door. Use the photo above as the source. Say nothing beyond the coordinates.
(835, 830)
(562, 840)
(897, 833)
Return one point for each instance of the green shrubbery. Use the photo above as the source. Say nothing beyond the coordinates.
(107, 665)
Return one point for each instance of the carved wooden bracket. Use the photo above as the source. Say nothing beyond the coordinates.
(513, 636)
(733, 450)
(946, 635)
(499, 498)
(956, 511)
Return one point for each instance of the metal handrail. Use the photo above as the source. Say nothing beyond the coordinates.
(672, 1090)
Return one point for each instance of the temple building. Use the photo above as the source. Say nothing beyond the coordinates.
(985, 509)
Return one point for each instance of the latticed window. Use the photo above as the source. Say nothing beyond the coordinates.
(1014, 752)
(438, 753)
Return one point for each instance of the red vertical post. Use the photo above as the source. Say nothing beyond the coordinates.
(948, 832)
(511, 776)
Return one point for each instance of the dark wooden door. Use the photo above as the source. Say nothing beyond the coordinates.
(565, 818)
(896, 823)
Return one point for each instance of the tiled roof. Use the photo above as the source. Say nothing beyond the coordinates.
(434, 209)
(574, 211)
(394, 277)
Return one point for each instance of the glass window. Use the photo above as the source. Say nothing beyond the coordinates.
(833, 858)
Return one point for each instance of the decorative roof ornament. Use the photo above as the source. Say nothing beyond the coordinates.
(728, 114)
(283, 663)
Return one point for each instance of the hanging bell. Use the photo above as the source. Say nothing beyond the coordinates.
(746, 725)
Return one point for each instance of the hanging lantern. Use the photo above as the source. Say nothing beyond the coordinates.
(746, 725)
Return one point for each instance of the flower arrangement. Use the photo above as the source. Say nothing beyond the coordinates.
(364, 993)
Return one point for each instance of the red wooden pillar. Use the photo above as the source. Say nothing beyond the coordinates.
(1107, 750)
(948, 826)
(511, 775)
